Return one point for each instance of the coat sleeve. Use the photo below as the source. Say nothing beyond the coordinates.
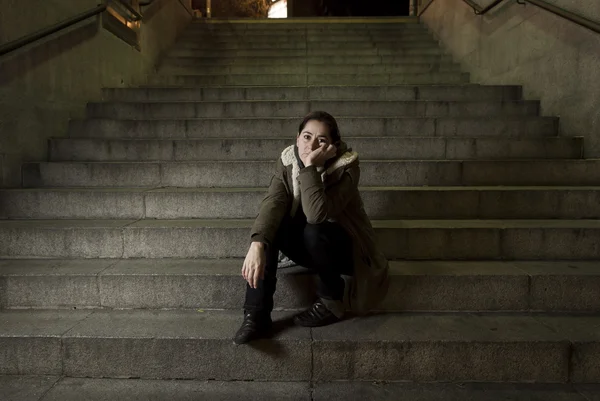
(273, 208)
(320, 203)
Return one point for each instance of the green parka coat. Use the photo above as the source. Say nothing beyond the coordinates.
(328, 193)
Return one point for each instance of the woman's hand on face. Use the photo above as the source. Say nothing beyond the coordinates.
(254, 264)
(319, 156)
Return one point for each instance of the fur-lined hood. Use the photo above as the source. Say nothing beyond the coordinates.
(344, 156)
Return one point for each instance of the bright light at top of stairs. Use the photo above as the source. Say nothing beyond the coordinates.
(278, 9)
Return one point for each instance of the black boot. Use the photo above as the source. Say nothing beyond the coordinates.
(315, 316)
(255, 326)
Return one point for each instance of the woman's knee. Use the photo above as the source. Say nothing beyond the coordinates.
(328, 245)
(315, 236)
(325, 236)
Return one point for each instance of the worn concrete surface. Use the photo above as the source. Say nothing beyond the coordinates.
(583, 333)
(134, 389)
(26, 388)
(180, 344)
(401, 92)
(199, 61)
(57, 388)
(398, 239)
(394, 349)
(555, 59)
(282, 108)
(357, 391)
(51, 283)
(380, 203)
(310, 69)
(381, 148)
(515, 127)
(217, 284)
(422, 347)
(257, 174)
(73, 204)
(31, 342)
(423, 78)
(45, 84)
(408, 43)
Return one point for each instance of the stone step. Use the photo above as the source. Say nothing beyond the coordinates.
(382, 203)
(72, 389)
(305, 23)
(307, 37)
(398, 239)
(308, 69)
(301, 23)
(312, 25)
(217, 284)
(232, 174)
(308, 46)
(424, 78)
(324, 28)
(406, 92)
(513, 127)
(380, 148)
(310, 39)
(197, 345)
(299, 60)
(322, 24)
(348, 30)
(291, 108)
(416, 51)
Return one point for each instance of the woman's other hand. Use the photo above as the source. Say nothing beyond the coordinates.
(320, 155)
(254, 264)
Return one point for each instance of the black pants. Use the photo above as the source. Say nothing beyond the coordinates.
(325, 247)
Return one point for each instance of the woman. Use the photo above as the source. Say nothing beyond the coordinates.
(314, 214)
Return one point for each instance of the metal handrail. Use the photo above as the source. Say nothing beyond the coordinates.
(575, 18)
(578, 19)
(137, 15)
(25, 40)
(481, 10)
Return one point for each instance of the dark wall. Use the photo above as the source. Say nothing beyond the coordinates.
(333, 8)
(303, 8)
(382, 8)
(361, 8)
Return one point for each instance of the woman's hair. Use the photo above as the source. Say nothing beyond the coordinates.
(326, 119)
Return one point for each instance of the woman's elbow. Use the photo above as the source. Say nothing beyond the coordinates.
(320, 216)
(317, 218)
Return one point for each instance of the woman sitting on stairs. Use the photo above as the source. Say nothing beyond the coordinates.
(314, 214)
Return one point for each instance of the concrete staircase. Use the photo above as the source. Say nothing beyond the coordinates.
(121, 254)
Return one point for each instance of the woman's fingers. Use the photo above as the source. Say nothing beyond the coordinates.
(245, 269)
(257, 276)
(331, 151)
(250, 278)
(252, 275)
(253, 269)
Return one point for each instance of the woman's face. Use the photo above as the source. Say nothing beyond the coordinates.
(314, 134)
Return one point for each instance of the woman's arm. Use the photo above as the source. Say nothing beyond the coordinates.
(320, 204)
(273, 208)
